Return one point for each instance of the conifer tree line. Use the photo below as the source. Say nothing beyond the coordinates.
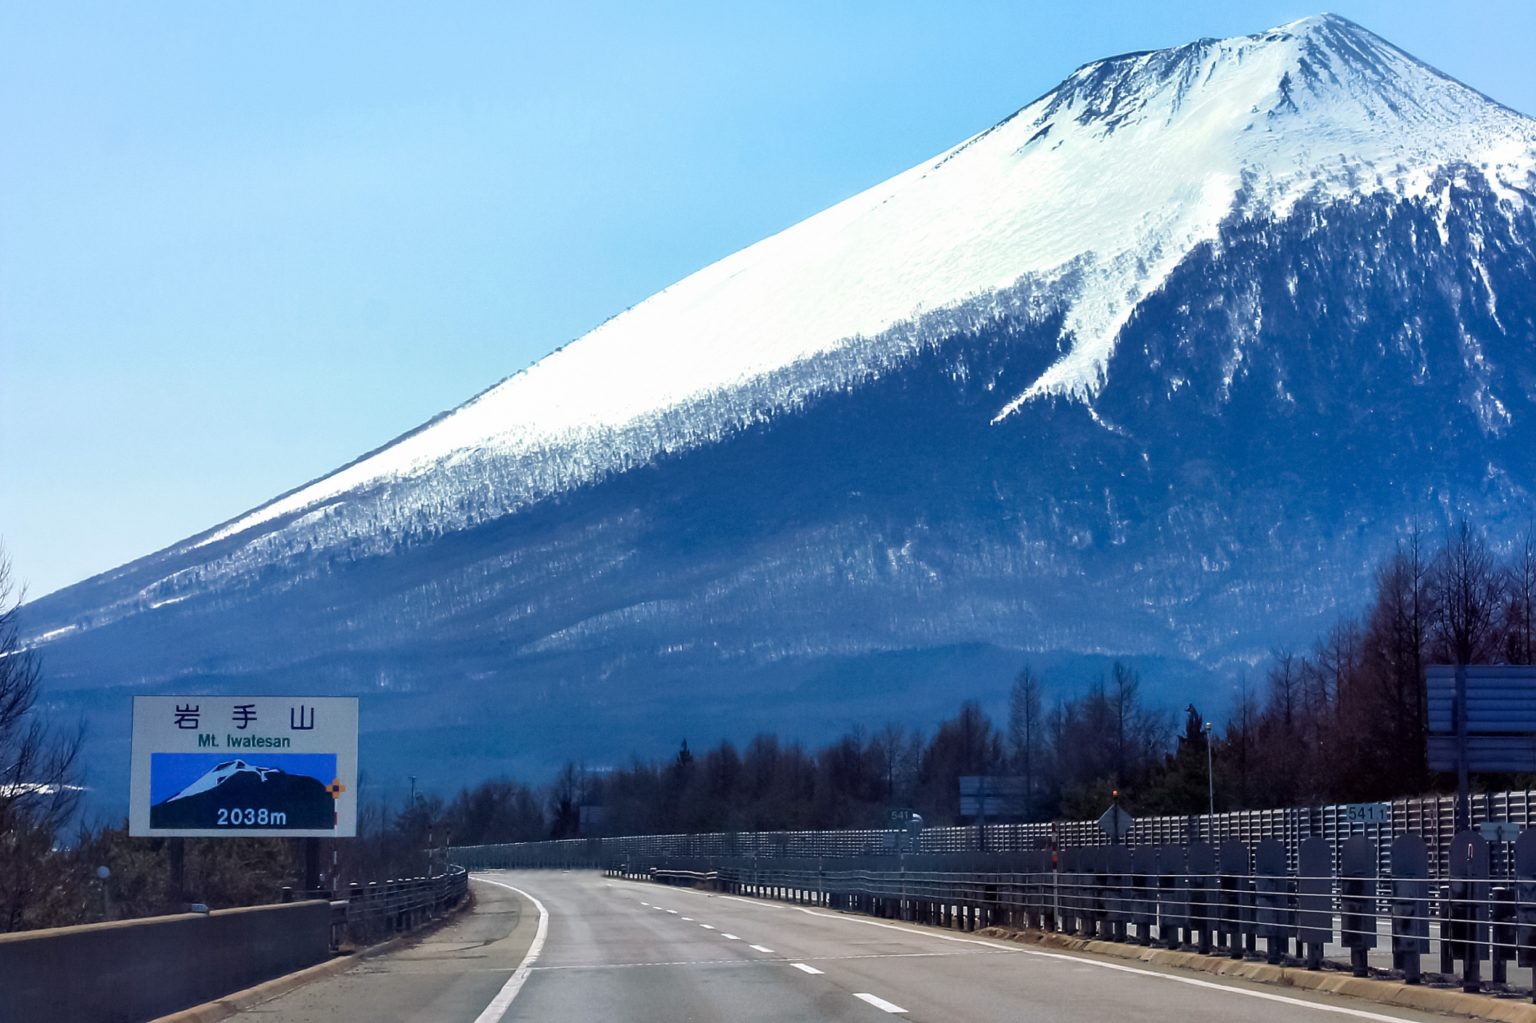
(1341, 721)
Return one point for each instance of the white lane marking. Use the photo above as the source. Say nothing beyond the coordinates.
(758, 962)
(759, 948)
(1191, 981)
(729, 937)
(645, 903)
(803, 969)
(707, 927)
(503, 1001)
(672, 911)
(878, 1002)
(688, 918)
(751, 902)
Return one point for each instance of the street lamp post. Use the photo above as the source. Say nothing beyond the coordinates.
(1210, 784)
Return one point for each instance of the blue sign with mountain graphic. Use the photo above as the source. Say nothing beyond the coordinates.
(278, 791)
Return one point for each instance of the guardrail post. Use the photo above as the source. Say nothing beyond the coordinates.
(1197, 879)
(1467, 924)
(1357, 901)
(1314, 899)
(1525, 901)
(1503, 915)
(1171, 903)
(1274, 916)
(1233, 893)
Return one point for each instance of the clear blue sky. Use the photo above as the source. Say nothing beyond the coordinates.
(242, 243)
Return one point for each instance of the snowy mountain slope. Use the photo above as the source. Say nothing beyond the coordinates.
(1172, 357)
(220, 774)
(1100, 188)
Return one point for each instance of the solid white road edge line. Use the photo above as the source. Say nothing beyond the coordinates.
(806, 969)
(1084, 961)
(878, 1002)
(503, 1000)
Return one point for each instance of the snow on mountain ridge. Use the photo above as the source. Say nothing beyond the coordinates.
(1097, 189)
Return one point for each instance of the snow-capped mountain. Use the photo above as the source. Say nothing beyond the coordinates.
(221, 773)
(1157, 366)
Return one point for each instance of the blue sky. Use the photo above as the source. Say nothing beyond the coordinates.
(242, 244)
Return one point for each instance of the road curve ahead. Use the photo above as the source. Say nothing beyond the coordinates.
(631, 952)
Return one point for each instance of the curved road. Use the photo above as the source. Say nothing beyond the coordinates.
(630, 951)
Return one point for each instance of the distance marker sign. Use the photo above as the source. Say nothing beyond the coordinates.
(207, 766)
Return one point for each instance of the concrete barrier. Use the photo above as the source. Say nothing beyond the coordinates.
(136, 970)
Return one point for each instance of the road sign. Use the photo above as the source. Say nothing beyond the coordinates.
(1500, 726)
(213, 766)
(1486, 754)
(1116, 823)
(1366, 813)
(1499, 831)
(986, 795)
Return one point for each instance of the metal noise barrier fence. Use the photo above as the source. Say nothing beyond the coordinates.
(1220, 900)
(367, 913)
(1432, 817)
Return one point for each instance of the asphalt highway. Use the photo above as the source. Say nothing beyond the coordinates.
(631, 951)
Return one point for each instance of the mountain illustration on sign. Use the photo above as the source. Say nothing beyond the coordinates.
(294, 800)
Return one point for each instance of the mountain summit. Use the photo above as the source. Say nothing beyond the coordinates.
(1101, 187)
(1155, 367)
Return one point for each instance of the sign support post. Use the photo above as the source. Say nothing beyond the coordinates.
(311, 866)
(1463, 787)
(178, 851)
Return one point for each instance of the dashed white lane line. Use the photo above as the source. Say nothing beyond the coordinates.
(760, 948)
(878, 1002)
(806, 969)
(688, 918)
(1264, 996)
(729, 937)
(672, 911)
(707, 927)
(503, 1001)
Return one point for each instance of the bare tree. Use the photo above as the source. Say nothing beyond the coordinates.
(1467, 592)
(38, 790)
(1024, 730)
(1520, 602)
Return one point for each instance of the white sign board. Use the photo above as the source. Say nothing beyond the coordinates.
(209, 766)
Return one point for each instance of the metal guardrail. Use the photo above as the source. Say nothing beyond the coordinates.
(363, 914)
(1207, 899)
(1432, 817)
